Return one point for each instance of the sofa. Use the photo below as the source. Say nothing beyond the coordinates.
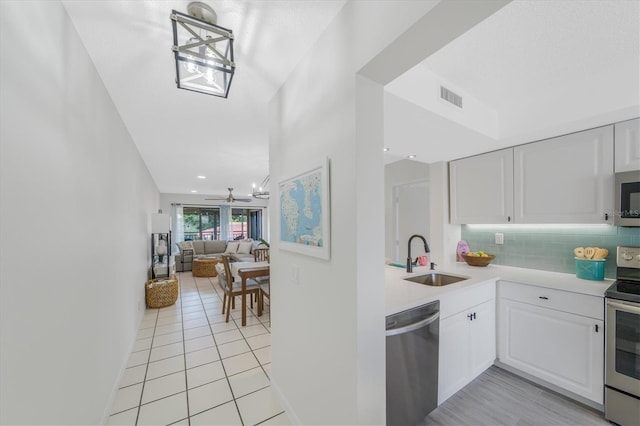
(239, 251)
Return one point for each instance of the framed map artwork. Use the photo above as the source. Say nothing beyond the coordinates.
(304, 212)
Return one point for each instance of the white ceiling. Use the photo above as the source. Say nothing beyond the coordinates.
(534, 69)
(182, 134)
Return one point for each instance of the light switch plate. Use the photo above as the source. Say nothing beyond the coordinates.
(294, 274)
(499, 238)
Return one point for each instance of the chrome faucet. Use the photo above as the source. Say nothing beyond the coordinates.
(426, 250)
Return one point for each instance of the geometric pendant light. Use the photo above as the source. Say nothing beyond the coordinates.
(203, 51)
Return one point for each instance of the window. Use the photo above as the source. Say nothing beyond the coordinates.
(240, 226)
(255, 224)
(201, 223)
(246, 223)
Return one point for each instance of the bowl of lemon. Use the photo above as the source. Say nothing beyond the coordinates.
(478, 258)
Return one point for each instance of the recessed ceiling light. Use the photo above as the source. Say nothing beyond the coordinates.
(385, 149)
(411, 157)
(201, 177)
(193, 190)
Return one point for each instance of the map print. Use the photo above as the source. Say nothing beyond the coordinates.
(301, 210)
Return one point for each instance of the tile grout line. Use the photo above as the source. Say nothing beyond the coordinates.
(153, 336)
(253, 353)
(185, 372)
(252, 350)
(184, 353)
(146, 370)
(226, 376)
(256, 358)
(272, 417)
(243, 338)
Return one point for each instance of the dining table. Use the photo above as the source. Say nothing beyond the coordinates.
(244, 271)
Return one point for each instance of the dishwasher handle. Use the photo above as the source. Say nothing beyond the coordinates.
(416, 325)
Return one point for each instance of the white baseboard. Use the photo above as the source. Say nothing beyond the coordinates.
(114, 392)
(293, 418)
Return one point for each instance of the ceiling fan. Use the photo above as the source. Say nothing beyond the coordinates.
(229, 198)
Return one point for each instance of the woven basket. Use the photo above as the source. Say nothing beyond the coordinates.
(477, 260)
(204, 267)
(161, 292)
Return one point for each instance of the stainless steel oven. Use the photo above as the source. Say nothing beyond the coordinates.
(627, 199)
(622, 357)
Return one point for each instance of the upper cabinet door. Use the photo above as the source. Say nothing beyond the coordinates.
(568, 179)
(627, 146)
(481, 188)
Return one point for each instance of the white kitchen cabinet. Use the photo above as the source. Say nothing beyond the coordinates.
(467, 347)
(568, 179)
(481, 188)
(627, 146)
(556, 337)
(483, 337)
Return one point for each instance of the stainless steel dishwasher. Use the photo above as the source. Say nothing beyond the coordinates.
(412, 364)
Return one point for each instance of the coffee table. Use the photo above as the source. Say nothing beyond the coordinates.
(205, 266)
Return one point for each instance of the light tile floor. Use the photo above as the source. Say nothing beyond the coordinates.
(190, 367)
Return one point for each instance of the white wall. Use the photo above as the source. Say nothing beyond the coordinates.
(328, 330)
(75, 203)
(444, 236)
(421, 86)
(411, 129)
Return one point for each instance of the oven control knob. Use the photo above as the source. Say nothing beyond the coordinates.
(627, 256)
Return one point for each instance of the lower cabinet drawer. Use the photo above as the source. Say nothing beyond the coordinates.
(460, 300)
(565, 301)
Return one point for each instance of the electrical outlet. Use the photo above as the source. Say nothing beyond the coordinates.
(499, 238)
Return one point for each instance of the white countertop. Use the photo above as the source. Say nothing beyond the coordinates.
(402, 295)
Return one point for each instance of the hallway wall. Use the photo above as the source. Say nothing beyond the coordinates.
(75, 198)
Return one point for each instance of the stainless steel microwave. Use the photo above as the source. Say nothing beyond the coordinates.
(627, 199)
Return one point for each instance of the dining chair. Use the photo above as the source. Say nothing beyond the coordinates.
(264, 290)
(234, 288)
(261, 254)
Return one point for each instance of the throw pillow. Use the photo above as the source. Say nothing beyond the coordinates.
(244, 248)
(185, 245)
(232, 247)
(220, 269)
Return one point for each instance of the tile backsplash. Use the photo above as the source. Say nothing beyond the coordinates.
(549, 247)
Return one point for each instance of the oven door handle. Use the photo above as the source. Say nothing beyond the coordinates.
(624, 307)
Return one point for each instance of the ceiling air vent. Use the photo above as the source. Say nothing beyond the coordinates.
(450, 97)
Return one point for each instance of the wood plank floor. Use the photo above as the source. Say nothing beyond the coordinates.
(498, 397)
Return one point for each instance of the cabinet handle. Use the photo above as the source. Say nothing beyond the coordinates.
(543, 297)
(470, 316)
(606, 216)
(508, 218)
(474, 315)
(596, 328)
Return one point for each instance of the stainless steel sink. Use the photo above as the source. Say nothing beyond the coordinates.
(436, 279)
